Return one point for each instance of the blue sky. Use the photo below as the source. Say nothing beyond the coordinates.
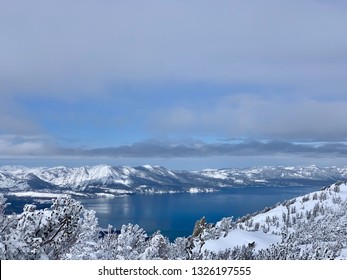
(184, 84)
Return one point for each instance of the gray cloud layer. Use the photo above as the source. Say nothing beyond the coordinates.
(41, 147)
(254, 148)
(85, 46)
(258, 117)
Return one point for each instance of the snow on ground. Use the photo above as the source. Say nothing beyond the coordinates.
(105, 195)
(119, 191)
(36, 194)
(239, 237)
(343, 254)
(76, 193)
(198, 190)
(215, 173)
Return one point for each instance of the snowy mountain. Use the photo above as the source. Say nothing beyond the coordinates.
(111, 181)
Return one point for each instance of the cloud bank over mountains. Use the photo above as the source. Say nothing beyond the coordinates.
(14, 146)
(88, 79)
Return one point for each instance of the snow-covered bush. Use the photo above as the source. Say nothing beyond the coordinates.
(42, 234)
(131, 242)
(5, 225)
(87, 245)
(158, 248)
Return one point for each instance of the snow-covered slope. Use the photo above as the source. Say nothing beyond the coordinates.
(156, 179)
(240, 237)
(304, 207)
(312, 226)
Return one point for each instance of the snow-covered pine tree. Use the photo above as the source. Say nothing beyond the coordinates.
(87, 245)
(43, 234)
(158, 248)
(6, 222)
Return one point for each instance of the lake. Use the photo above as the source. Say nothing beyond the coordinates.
(175, 214)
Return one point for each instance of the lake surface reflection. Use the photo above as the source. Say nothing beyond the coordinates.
(175, 214)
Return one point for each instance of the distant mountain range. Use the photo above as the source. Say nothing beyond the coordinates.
(104, 180)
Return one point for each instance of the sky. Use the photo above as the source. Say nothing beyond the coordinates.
(185, 84)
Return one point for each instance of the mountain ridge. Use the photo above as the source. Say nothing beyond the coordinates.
(115, 180)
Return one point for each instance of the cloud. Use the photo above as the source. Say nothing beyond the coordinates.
(290, 118)
(203, 150)
(79, 47)
(13, 146)
(24, 146)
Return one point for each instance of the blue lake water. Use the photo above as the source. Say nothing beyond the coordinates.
(175, 214)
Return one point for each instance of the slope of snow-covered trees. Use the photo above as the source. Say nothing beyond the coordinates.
(313, 226)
